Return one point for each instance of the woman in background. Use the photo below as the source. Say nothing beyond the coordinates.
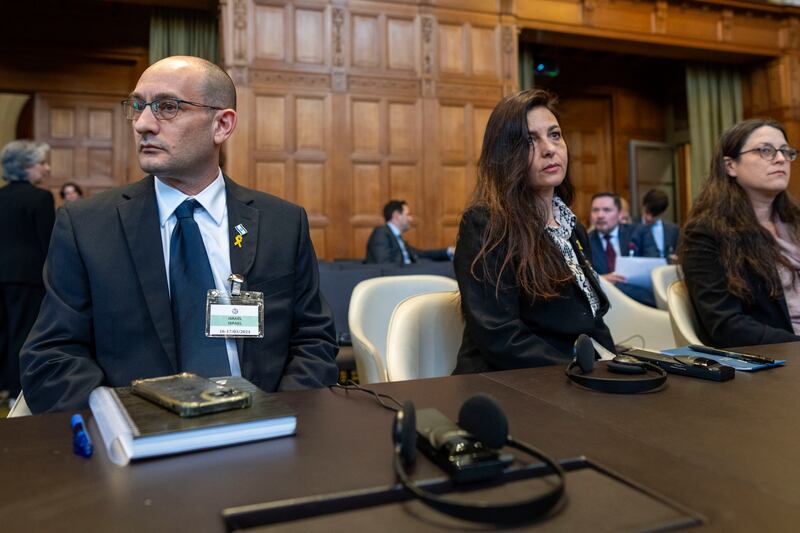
(740, 251)
(71, 191)
(27, 215)
(527, 290)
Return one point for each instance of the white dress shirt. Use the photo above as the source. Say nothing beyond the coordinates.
(658, 235)
(213, 223)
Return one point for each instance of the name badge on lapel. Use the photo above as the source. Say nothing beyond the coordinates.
(236, 314)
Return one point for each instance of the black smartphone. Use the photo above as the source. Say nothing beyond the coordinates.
(458, 452)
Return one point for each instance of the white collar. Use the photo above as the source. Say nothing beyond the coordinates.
(396, 231)
(212, 198)
(614, 233)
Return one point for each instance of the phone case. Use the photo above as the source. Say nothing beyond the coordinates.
(188, 394)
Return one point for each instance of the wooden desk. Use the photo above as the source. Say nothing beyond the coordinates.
(726, 450)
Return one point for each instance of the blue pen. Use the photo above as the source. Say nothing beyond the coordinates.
(81, 442)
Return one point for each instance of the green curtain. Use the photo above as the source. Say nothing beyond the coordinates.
(183, 32)
(714, 98)
(525, 66)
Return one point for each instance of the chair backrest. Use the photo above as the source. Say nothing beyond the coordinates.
(371, 307)
(663, 277)
(682, 315)
(20, 407)
(628, 319)
(424, 336)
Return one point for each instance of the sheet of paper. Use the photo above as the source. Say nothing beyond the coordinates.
(637, 269)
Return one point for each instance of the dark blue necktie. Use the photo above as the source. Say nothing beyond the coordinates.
(190, 278)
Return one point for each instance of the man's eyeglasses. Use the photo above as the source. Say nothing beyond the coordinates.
(769, 152)
(163, 108)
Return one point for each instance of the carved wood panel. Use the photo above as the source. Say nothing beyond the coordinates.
(88, 136)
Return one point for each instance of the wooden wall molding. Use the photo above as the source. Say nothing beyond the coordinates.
(745, 27)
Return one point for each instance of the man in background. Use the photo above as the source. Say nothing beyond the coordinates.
(611, 239)
(665, 234)
(26, 222)
(129, 269)
(386, 244)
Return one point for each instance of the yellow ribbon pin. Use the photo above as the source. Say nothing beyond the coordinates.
(579, 245)
(237, 241)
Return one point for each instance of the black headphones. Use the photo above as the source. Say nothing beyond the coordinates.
(481, 418)
(582, 365)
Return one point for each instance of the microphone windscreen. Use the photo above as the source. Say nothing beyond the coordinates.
(584, 353)
(481, 416)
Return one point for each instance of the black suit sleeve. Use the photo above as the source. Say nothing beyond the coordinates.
(493, 316)
(57, 364)
(720, 312)
(436, 254)
(312, 346)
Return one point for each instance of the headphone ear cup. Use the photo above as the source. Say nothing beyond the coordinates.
(482, 416)
(584, 353)
(405, 433)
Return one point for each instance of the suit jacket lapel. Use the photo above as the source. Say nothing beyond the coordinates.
(139, 216)
(624, 235)
(598, 252)
(240, 211)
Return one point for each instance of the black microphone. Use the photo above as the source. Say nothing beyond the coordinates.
(459, 452)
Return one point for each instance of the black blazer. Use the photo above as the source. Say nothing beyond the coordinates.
(26, 222)
(106, 317)
(508, 330)
(726, 320)
(382, 247)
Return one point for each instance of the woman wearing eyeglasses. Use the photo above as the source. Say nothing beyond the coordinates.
(527, 290)
(740, 251)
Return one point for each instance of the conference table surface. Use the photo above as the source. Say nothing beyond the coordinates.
(728, 451)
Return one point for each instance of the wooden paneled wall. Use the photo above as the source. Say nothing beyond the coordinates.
(76, 75)
(346, 104)
(345, 107)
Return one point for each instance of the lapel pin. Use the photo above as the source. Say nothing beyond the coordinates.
(242, 231)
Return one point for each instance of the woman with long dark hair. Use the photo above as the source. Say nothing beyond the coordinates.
(741, 246)
(527, 290)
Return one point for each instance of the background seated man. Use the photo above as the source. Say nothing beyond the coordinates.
(665, 234)
(386, 244)
(610, 239)
(128, 270)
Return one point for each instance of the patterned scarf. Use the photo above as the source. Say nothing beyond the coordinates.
(566, 223)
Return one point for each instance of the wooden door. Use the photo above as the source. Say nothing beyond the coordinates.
(586, 123)
(89, 137)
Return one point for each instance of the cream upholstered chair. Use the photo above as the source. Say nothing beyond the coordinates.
(371, 307)
(628, 319)
(424, 336)
(663, 277)
(20, 407)
(682, 315)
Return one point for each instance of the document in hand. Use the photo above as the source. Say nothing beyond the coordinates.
(135, 428)
(637, 269)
